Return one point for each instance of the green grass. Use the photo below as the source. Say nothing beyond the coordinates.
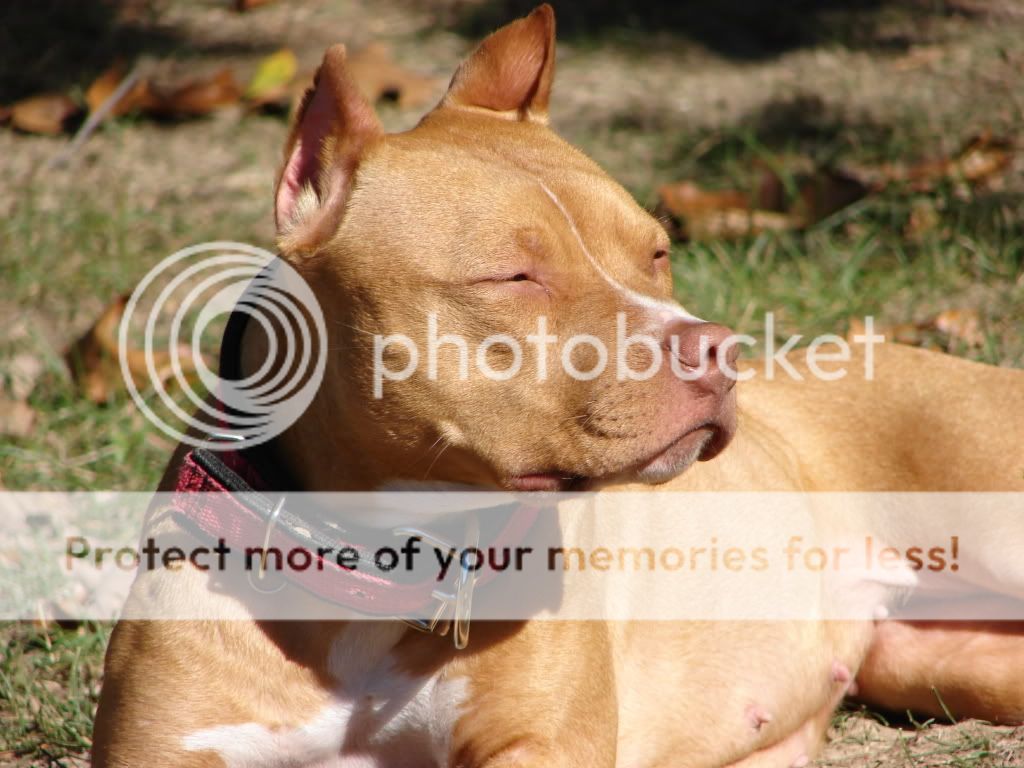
(817, 281)
(49, 685)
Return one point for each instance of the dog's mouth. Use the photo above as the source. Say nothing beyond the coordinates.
(548, 481)
(698, 444)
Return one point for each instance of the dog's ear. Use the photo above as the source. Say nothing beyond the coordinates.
(510, 72)
(332, 128)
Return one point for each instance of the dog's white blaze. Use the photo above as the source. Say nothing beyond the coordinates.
(377, 715)
(661, 306)
(251, 745)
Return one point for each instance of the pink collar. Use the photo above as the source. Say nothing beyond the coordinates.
(253, 515)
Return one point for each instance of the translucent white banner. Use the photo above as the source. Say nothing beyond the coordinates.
(610, 556)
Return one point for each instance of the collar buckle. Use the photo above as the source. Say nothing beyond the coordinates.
(455, 606)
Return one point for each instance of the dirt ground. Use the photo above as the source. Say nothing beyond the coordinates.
(681, 97)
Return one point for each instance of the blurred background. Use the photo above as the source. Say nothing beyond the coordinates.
(824, 160)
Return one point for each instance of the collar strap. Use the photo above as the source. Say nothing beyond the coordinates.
(247, 513)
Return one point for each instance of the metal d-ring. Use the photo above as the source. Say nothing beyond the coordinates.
(460, 599)
(464, 587)
(224, 437)
(271, 522)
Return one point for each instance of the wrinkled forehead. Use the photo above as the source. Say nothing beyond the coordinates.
(473, 199)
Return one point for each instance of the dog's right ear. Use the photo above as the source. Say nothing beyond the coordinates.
(333, 126)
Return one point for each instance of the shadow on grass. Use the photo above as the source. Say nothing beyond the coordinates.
(741, 29)
(53, 44)
(57, 45)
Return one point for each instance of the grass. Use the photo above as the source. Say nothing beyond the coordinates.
(72, 240)
(49, 685)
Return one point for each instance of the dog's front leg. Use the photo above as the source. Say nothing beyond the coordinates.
(539, 694)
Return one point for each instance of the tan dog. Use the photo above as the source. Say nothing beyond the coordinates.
(485, 217)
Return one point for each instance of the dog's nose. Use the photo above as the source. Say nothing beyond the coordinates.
(703, 347)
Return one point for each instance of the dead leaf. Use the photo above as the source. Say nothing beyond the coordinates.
(960, 325)
(247, 5)
(269, 85)
(702, 214)
(16, 417)
(983, 156)
(47, 113)
(137, 97)
(195, 98)
(92, 359)
(980, 159)
(897, 333)
(379, 76)
(95, 366)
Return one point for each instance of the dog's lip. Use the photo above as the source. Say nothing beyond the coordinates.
(707, 438)
(562, 480)
(545, 481)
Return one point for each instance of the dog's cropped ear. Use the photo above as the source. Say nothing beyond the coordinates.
(333, 126)
(510, 72)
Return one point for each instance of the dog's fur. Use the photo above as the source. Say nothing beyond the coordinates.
(386, 228)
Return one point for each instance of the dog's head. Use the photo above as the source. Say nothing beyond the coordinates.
(499, 310)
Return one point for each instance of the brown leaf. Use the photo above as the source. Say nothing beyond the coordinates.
(980, 158)
(960, 325)
(725, 214)
(197, 97)
(379, 76)
(983, 156)
(897, 333)
(94, 364)
(247, 5)
(47, 113)
(92, 359)
(137, 97)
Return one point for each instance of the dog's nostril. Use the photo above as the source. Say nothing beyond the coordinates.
(697, 344)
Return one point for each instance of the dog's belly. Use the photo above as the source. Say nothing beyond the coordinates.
(710, 693)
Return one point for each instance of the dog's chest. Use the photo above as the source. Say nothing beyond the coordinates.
(377, 716)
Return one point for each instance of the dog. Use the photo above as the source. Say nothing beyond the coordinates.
(485, 218)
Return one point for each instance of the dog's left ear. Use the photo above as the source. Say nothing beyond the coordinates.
(332, 129)
(510, 72)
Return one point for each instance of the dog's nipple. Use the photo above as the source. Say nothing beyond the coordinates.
(757, 717)
(840, 672)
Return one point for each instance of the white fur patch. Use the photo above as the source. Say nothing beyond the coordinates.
(377, 716)
(307, 203)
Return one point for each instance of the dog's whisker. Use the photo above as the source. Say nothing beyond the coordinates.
(444, 448)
